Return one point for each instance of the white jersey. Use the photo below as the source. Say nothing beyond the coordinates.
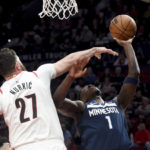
(28, 109)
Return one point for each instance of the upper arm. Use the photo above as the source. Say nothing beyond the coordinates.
(61, 67)
(66, 63)
(126, 93)
(71, 108)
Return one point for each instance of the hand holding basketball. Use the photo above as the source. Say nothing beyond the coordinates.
(122, 42)
(123, 27)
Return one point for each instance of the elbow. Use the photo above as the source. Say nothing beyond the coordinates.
(137, 72)
(54, 97)
(58, 102)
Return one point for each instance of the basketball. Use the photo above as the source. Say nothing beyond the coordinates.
(122, 27)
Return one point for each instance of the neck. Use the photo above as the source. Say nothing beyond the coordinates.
(99, 100)
(12, 75)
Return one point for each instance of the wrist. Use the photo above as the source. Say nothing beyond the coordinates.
(92, 52)
(70, 77)
(127, 45)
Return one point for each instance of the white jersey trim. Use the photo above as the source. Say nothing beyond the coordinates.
(100, 105)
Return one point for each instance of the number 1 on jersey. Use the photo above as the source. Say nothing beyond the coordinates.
(109, 121)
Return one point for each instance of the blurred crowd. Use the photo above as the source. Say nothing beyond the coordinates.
(32, 38)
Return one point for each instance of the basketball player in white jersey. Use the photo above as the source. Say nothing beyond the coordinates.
(26, 102)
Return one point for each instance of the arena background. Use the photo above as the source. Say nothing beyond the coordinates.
(39, 41)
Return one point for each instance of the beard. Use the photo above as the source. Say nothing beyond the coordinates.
(22, 67)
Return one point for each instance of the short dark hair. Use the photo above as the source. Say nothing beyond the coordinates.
(87, 95)
(7, 61)
(3, 140)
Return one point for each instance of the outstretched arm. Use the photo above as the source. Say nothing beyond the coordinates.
(67, 62)
(130, 83)
(66, 106)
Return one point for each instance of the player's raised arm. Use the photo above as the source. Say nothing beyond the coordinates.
(67, 62)
(130, 83)
(66, 106)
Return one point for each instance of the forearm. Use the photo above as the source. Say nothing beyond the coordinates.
(129, 85)
(61, 91)
(133, 67)
(67, 62)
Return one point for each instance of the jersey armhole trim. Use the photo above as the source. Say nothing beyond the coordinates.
(35, 74)
(1, 91)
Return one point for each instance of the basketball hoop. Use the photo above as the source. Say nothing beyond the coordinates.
(57, 8)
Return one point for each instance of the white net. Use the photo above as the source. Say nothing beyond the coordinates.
(56, 8)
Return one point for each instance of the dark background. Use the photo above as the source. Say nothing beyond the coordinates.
(39, 41)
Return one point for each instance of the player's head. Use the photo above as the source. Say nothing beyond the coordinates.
(4, 144)
(9, 62)
(90, 92)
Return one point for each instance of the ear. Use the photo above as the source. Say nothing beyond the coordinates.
(18, 66)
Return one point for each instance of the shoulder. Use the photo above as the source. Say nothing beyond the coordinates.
(80, 105)
(115, 99)
(91, 104)
(112, 102)
(46, 67)
(47, 70)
